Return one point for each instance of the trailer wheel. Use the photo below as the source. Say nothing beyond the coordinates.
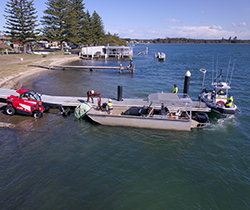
(10, 110)
(38, 114)
(46, 108)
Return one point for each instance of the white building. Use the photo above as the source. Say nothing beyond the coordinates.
(107, 52)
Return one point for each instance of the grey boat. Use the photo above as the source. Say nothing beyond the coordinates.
(154, 114)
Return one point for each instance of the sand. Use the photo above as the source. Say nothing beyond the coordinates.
(16, 71)
(13, 81)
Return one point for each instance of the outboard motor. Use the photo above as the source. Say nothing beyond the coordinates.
(201, 117)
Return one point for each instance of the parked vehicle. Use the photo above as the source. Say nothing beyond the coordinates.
(28, 103)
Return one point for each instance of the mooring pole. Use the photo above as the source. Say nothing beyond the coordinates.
(204, 72)
(119, 93)
(120, 68)
(187, 82)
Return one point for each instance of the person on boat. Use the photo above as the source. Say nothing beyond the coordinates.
(220, 92)
(230, 100)
(131, 63)
(104, 106)
(90, 94)
(110, 106)
(175, 90)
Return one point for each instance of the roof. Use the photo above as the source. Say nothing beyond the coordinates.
(169, 98)
(3, 46)
(4, 37)
(117, 47)
(221, 85)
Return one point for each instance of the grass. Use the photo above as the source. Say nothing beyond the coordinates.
(12, 64)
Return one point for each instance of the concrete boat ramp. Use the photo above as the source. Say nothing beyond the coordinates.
(171, 100)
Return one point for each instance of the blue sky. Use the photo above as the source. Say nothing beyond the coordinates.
(149, 19)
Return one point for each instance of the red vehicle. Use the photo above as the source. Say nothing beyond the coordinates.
(28, 103)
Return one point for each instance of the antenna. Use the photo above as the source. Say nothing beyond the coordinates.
(232, 72)
(228, 69)
(204, 72)
(217, 70)
(213, 70)
(219, 76)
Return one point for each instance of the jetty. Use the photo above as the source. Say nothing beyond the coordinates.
(90, 68)
(174, 101)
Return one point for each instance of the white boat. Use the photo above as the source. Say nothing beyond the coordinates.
(160, 56)
(42, 53)
(82, 109)
(154, 115)
(216, 100)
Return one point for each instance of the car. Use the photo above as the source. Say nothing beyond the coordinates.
(28, 103)
(67, 48)
(73, 46)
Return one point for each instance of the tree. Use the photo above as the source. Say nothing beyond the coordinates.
(112, 40)
(55, 20)
(75, 22)
(97, 28)
(86, 35)
(21, 21)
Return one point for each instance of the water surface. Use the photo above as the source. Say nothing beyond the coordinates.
(63, 163)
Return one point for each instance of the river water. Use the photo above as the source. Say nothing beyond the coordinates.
(62, 163)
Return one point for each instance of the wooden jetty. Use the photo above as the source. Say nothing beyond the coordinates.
(120, 68)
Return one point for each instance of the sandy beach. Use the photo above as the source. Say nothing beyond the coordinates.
(14, 70)
(20, 69)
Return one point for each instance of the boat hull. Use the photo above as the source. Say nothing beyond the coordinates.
(162, 123)
(219, 108)
(222, 110)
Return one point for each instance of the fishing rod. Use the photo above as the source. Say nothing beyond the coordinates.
(219, 76)
(228, 68)
(213, 70)
(232, 72)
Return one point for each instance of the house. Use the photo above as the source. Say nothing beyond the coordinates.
(106, 52)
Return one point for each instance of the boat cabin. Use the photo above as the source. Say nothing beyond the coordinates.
(220, 92)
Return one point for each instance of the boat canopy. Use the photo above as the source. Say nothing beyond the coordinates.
(221, 85)
(169, 98)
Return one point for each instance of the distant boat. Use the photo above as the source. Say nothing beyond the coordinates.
(41, 53)
(160, 56)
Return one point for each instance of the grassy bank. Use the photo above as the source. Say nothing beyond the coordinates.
(14, 67)
(16, 63)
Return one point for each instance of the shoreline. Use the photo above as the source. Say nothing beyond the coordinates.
(14, 81)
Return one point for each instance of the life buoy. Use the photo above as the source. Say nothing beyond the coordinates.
(219, 102)
(172, 116)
